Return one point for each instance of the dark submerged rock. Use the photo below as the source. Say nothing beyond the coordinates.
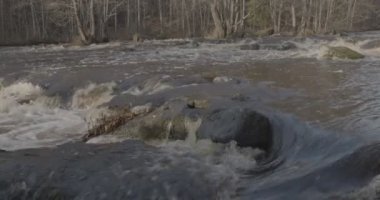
(288, 46)
(253, 46)
(279, 47)
(194, 44)
(247, 127)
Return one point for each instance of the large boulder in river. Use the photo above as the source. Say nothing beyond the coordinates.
(202, 119)
(247, 127)
(342, 53)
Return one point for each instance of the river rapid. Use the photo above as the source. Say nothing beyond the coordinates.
(324, 116)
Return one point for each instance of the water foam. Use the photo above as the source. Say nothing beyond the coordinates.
(227, 162)
(92, 96)
(317, 48)
(30, 119)
(20, 92)
(151, 86)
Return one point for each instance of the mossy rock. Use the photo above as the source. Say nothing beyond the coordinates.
(161, 129)
(178, 129)
(343, 53)
(156, 130)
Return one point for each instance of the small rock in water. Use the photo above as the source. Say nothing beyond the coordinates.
(288, 46)
(198, 103)
(138, 110)
(191, 44)
(194, 44)
(222, 79)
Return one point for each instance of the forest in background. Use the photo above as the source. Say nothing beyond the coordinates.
(89, 21)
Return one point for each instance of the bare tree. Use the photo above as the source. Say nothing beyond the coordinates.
(27, 21)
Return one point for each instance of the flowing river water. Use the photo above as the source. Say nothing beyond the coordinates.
(325, 116)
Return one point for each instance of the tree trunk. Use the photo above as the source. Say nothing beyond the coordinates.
(353, 12)
(34, 33)
(160, 15)
(219, 31)
(138, 16)
(294, 19)
(79, 24)
(2, 31)
(279, 16)
(92, 22)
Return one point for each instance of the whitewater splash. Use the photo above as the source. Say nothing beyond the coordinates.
(317, 48)
(30, 119)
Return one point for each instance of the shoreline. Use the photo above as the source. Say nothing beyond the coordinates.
(228, 39)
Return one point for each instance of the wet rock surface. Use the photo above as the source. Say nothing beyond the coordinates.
(243, 125)
(343, 53)
(208, 118)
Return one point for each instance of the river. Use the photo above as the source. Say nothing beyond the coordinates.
(324, 113)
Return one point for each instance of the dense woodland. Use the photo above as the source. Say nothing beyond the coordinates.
(88, 21)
